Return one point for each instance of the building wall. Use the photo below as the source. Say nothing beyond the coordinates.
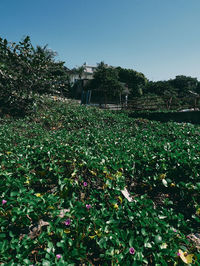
(88, 73)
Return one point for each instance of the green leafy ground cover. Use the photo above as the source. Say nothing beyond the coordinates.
(61, 176)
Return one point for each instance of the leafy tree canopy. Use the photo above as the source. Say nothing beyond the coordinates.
(25, 70)
(184, 84)
(133, 79)
(106, 80)
(161, 88)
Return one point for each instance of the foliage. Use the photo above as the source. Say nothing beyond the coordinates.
(184, 84)
(64, 168)
(179, 93)
(160, 88)
(79, 71)
(106, 81)
(135, 81)
(181, 86)
(111, 81)
(24, 71)
(55, 76)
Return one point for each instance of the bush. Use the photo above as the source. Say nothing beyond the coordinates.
(25, 71)
(62, 174)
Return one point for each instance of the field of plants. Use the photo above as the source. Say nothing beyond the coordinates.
(84, 186)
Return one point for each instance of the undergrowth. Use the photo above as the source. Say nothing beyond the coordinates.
(63, 171)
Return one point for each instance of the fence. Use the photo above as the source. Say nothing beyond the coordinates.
(164, 103)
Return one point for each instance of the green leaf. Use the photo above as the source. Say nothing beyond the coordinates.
(143, 231)
(158, 239)
(2, 235)
(147, 245)
(131, 240)
(14, 193)
(46, 263)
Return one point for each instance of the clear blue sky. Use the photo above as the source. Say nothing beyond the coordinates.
(160, 38)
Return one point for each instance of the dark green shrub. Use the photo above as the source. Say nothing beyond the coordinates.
(77, 166)
(24, 71)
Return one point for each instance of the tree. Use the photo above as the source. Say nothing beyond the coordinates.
(24, 71)
(159, 88)
(53, 75)
(106, 80)
(197, 90)
(184, 84)
(15, 75)
(79, 71)
(135, 81)
(163, 89)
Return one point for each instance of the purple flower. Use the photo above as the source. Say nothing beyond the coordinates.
(58, 256)
(85, 184)
(178, 254)
(4, 201)
(88, 206)
(132, 251)
(68, 222)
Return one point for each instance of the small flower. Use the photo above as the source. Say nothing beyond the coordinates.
(67, 222)
(85, 184)
(88, 206)
(38, 195)
(115, 206)
(4, 202)
(132, 251)
(163, 246)
(58, 256)
(27, 180)
(178, 254)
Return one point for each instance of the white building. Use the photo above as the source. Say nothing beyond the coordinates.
(84, 72)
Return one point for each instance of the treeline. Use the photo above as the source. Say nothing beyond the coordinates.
(181, 86)
(112, 83)
(26, 71)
